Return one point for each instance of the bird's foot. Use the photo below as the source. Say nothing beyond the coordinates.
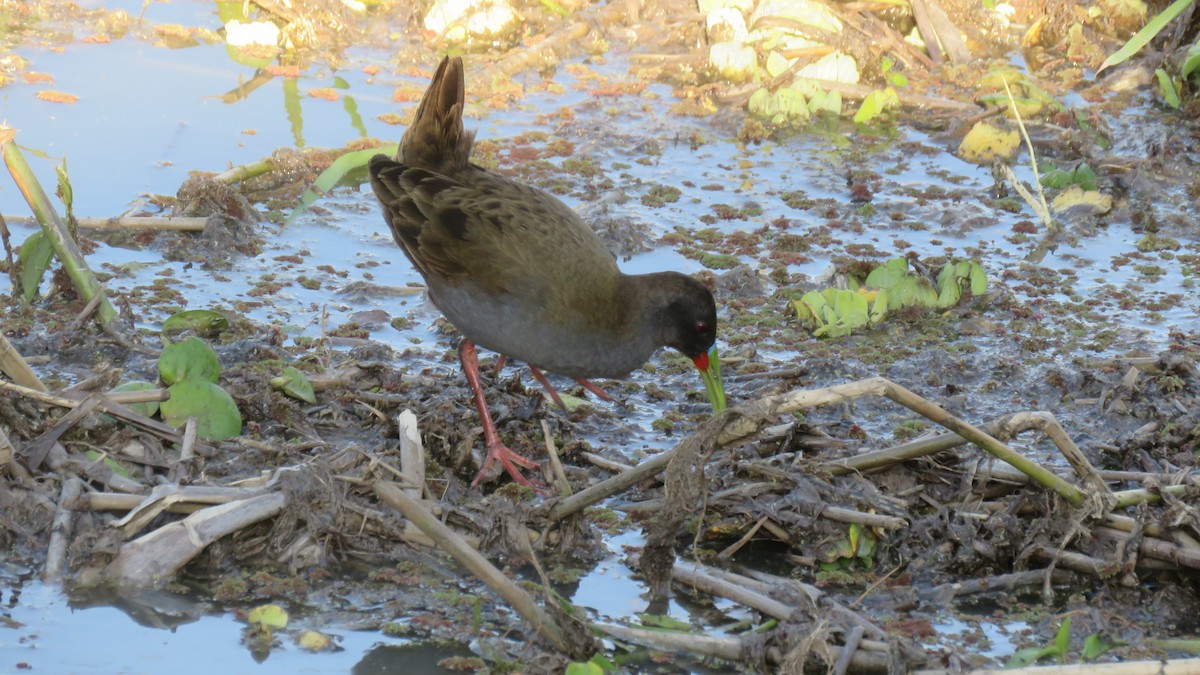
(497, 451)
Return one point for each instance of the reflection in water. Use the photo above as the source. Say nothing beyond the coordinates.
(243, 90)
(411, 659)
(151, 608)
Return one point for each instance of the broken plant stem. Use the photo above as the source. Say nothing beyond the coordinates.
(60, 532)
(748, 418)
(107, 405)
(468, 557)
(1144, 495)
(152, 559)
(14, 366)
(238, 174)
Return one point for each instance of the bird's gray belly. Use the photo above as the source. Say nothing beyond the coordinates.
(518, 330)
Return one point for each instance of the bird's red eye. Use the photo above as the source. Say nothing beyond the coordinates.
(701, 327)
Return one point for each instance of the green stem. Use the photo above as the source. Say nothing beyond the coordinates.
(64, 245)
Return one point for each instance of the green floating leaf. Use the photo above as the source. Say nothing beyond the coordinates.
(148, 408)
(1085, 177)
(1145, 35)
(875, 104)
(295, 384)
(978, 279)
(880, 306)
(887, 274)
(330, 177)
(217, 415)
(829, 102)
(1057, 179)
(34, 256)
(203, 321)
(810, 307)
(783, 107)
(189, 359)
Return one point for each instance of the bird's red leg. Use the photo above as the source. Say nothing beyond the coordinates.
(600, 393)
(495, 449)
(537, 375)
(586, 384)
(499, 364)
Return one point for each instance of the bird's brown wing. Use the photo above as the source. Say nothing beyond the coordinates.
(444, 226)
(487, 231)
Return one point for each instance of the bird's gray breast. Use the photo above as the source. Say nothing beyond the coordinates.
(520, 328)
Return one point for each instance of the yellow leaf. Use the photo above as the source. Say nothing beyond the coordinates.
(1095, 201)
(987, 141)
(314, 641)
(268, 617)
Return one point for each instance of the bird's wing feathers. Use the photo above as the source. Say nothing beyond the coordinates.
(481, 229)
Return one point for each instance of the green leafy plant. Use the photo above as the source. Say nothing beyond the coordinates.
(894, 78)
(217, 415)
(148, 408)
(1057, 649)
(202, 321)
(837, 312)
(1145, 35)
(335, 174)
(855, 552)
(878, 102)
(190, 369)
(1094, 646)
(295, 384)
(189, 359)
(1168, 88)
(956, 277)
(598, 665)
(1056, 178)
(34, 257)
(875, 104)
(889, 287)
(785, 106)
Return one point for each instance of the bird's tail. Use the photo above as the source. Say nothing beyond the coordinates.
(436, 140)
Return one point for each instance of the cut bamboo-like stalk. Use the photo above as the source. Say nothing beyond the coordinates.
(178, 223)
(15, 367)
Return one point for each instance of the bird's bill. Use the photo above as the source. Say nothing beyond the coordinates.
(709, 365)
